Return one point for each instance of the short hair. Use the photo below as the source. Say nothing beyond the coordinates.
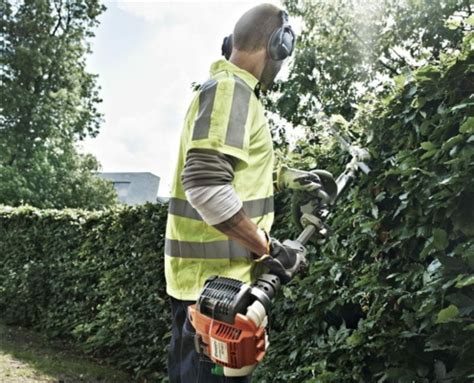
(254, 28)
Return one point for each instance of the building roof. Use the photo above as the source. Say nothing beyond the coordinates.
(134, 188)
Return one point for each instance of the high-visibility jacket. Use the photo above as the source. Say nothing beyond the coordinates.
(226, 116)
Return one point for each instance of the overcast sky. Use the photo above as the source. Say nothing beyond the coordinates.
(147, 54)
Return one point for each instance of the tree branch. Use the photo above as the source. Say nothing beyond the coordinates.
(60, 19)
(468, 6)
(390, 68)
(68, 18)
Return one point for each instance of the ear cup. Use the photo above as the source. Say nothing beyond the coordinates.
(288, 41)
(281, 43)
(226, 48)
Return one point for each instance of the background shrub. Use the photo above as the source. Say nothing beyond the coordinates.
(93, 278)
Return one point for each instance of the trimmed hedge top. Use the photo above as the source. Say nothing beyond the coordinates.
(95, 278)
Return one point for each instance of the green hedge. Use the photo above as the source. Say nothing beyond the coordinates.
(94, 278)
(389, 297)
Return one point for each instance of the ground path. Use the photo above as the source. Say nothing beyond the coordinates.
(26, 357)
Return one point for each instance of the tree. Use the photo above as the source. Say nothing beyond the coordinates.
(48, 104)
(348, 48)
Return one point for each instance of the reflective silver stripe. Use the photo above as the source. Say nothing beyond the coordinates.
(238, 114)
(206, 104)
(257, 207)
(254, 208)
(209, 250)
(183, 208)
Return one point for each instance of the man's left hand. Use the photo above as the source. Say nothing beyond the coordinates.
(288, 178)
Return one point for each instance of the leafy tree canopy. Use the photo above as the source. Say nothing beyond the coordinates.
(350, 47)
(49, 103)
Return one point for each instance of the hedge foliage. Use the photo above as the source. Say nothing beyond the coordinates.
(389, 297)
(93, 278)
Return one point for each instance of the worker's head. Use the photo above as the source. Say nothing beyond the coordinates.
(252, 41)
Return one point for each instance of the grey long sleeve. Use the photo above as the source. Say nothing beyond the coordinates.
(207, 181)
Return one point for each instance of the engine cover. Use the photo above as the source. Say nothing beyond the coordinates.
(230, 318)
(235, 346)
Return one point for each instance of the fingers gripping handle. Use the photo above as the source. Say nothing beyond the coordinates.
(323, 196)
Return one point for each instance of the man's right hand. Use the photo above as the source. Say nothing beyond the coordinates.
(285, 259)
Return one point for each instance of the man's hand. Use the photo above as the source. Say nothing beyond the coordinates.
(285, 259)
(288, 178)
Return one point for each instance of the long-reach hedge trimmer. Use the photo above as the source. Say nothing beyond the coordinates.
(230, 317)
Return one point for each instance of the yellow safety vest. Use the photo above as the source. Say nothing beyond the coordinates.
(225, 115)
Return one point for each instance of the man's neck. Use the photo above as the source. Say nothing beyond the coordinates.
(248, 62)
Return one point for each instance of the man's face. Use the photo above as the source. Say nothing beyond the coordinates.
(270, 70)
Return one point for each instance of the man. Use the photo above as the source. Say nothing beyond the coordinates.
(221, 208)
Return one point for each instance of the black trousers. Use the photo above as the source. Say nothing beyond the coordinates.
(185, 364)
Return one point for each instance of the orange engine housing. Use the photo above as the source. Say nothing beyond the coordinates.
(229, 345)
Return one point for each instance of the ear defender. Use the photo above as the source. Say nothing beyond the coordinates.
(280, 45)
(226, 48)
(282, 41)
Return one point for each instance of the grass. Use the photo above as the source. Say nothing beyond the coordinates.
(27, 357)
